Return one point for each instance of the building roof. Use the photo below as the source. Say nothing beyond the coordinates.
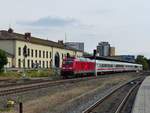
(106, 58)
(8, 54)
(5, 35)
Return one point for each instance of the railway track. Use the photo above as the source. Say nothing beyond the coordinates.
(10, 83)
(22, 87)
(118, 101)
(33, 86)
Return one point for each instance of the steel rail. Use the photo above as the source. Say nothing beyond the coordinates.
(90, 108)
(46, 80)
(119, 109)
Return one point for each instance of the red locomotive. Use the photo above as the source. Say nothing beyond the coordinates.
(77, 66)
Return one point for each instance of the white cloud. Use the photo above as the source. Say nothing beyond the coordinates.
(51, 22)
(125, 24)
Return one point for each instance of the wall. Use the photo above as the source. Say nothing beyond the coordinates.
(10, 62)
(8, 46)
(53, 50)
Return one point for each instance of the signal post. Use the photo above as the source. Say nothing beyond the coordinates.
(25, 56)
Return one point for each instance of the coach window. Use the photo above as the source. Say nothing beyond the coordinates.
(19, 51)
(32, 53)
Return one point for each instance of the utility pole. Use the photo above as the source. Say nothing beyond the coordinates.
(65, 37)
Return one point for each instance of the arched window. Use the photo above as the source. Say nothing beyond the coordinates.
(57, 59)
(68, 55)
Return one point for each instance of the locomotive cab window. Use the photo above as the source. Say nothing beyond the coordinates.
(67, 62)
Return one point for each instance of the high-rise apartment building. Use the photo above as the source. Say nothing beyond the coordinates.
(103, 49)
(112, 51)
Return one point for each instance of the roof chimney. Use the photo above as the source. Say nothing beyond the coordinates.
(60, 42)
(27, 36)
(10, 30)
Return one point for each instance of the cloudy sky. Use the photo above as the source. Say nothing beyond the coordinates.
(124, 23)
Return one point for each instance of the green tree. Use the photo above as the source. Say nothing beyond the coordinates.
(3, 59)
(142, 60)
(148, 61)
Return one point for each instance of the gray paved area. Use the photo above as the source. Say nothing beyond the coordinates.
(142, 102)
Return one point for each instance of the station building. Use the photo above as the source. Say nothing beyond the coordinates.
(40, 53)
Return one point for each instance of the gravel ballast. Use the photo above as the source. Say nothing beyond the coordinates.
(68, 98)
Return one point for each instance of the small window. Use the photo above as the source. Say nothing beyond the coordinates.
(19, 51)
(50, 54)
(28, 63)
(24, 63)
(43, 64)
(47, 64)
(28, 52)
(39, 53)
(32, 53)
(46, 54)
(40, 63)
(50, 64)
(36, 64)
(36, 53)
(19, 63)
(43, 54)
(32, 64)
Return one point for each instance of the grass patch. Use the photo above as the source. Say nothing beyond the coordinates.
(14, 75)
(31, 73)
(40, 73)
